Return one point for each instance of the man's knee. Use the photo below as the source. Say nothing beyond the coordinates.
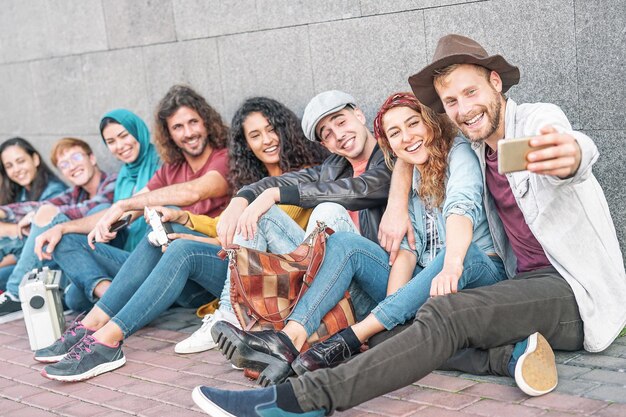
(328, 210)
(45, 214)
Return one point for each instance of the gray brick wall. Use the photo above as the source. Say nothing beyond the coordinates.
(63, 63)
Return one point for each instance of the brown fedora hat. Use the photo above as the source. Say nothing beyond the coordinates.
(457, 49)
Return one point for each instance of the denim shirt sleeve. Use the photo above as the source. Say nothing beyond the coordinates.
(464, 187)
(54, 188)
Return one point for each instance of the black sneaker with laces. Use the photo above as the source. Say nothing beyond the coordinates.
(88, 358)
(8, 304)
(72, 335)
(327, 354)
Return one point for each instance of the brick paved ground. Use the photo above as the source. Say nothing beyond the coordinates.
(157, 382)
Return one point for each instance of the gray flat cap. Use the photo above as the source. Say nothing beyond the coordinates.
(321, 106)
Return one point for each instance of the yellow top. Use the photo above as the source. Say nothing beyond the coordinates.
(208, 225)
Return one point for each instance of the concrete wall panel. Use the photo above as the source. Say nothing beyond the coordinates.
(134, 23)
(274, 63)
(109, 77)
(205, 18)
(540, 40)
(601, 54)
(279, 13)
(18, 111)
(372, 7)
(24, 33)
(196, 64)
(61, 98)
(368, 58)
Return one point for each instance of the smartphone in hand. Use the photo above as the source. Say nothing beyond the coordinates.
(120, 224)
(512, 154)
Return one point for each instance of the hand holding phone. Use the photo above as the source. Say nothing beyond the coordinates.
(120, 224)
(513, 153)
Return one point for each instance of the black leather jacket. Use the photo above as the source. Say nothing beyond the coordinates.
(332, 181)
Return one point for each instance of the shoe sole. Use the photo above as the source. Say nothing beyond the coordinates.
(49, 359)
(199, 349)
(273, 370)
(207, 405)
(100, 369)
(535, 373)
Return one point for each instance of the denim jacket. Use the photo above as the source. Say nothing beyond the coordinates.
(570, 218)
(464, 193)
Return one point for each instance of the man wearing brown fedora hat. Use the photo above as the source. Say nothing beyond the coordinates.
(550, 224)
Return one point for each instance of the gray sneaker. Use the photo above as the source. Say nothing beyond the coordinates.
(88, 358)
(56, 351)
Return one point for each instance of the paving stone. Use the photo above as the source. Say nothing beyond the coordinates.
(371, 7)
(601, 361)
(444, 382)
(390, 407)
(113, 380)
(570, 372)
(131, 403)
(615, 350)
(83, 409)
(612, 410)
(147, 389)
(19, 392)
(207, 18)
(178, 396)
(94, 394)
(496, 392)
(169, 410)
(502, 380)
(7, 405)
(441, 412)
(48, 400)
(609, 392)
(606, 377)
(448, 400)
(561, 402)
(498, 409)
(32, 412)
(575, 387)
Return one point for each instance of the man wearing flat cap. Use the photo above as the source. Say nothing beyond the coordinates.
(551, 226)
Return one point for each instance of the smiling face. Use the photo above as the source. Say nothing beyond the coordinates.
(344, 133)
(78, 167)
(122, 144)
(262, 139)
(407, 134)
(20, 167)
(188, 131)
(471, 97)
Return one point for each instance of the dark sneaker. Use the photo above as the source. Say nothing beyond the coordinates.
(249, 403)
(56, 351)
(533, 366)
(327, 354)
(9, 304)
(88, 358)
(267, 351)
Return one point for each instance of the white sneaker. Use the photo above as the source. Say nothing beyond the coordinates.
(201, 339)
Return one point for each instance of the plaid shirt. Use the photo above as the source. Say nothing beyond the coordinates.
(74, 203)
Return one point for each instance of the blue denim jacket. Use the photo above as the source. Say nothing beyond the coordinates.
(464, 196)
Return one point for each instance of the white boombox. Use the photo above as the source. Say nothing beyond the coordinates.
(42, 307)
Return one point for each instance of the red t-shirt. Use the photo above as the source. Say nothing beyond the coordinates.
(170, 174)
(529, 253)
(359, 168)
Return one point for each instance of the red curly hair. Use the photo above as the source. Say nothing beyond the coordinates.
(441, 133)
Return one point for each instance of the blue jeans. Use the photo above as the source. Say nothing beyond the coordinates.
(150, 281)
(353, 258)
(86, 267)
(5, 272)
(279, 233)
(11, 246)
(28, 259)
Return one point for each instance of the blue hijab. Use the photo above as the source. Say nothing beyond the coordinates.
(135, 175)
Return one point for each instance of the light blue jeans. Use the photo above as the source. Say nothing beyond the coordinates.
(28, 259)
(352, 258)
(279, 233)
(189, 273)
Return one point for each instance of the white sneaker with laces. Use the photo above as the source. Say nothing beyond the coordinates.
(201, 339)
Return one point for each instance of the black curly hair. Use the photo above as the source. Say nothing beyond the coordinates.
(296, 151)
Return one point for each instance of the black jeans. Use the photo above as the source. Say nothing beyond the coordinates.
(489, 320)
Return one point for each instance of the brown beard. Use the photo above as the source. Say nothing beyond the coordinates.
(494, 109)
